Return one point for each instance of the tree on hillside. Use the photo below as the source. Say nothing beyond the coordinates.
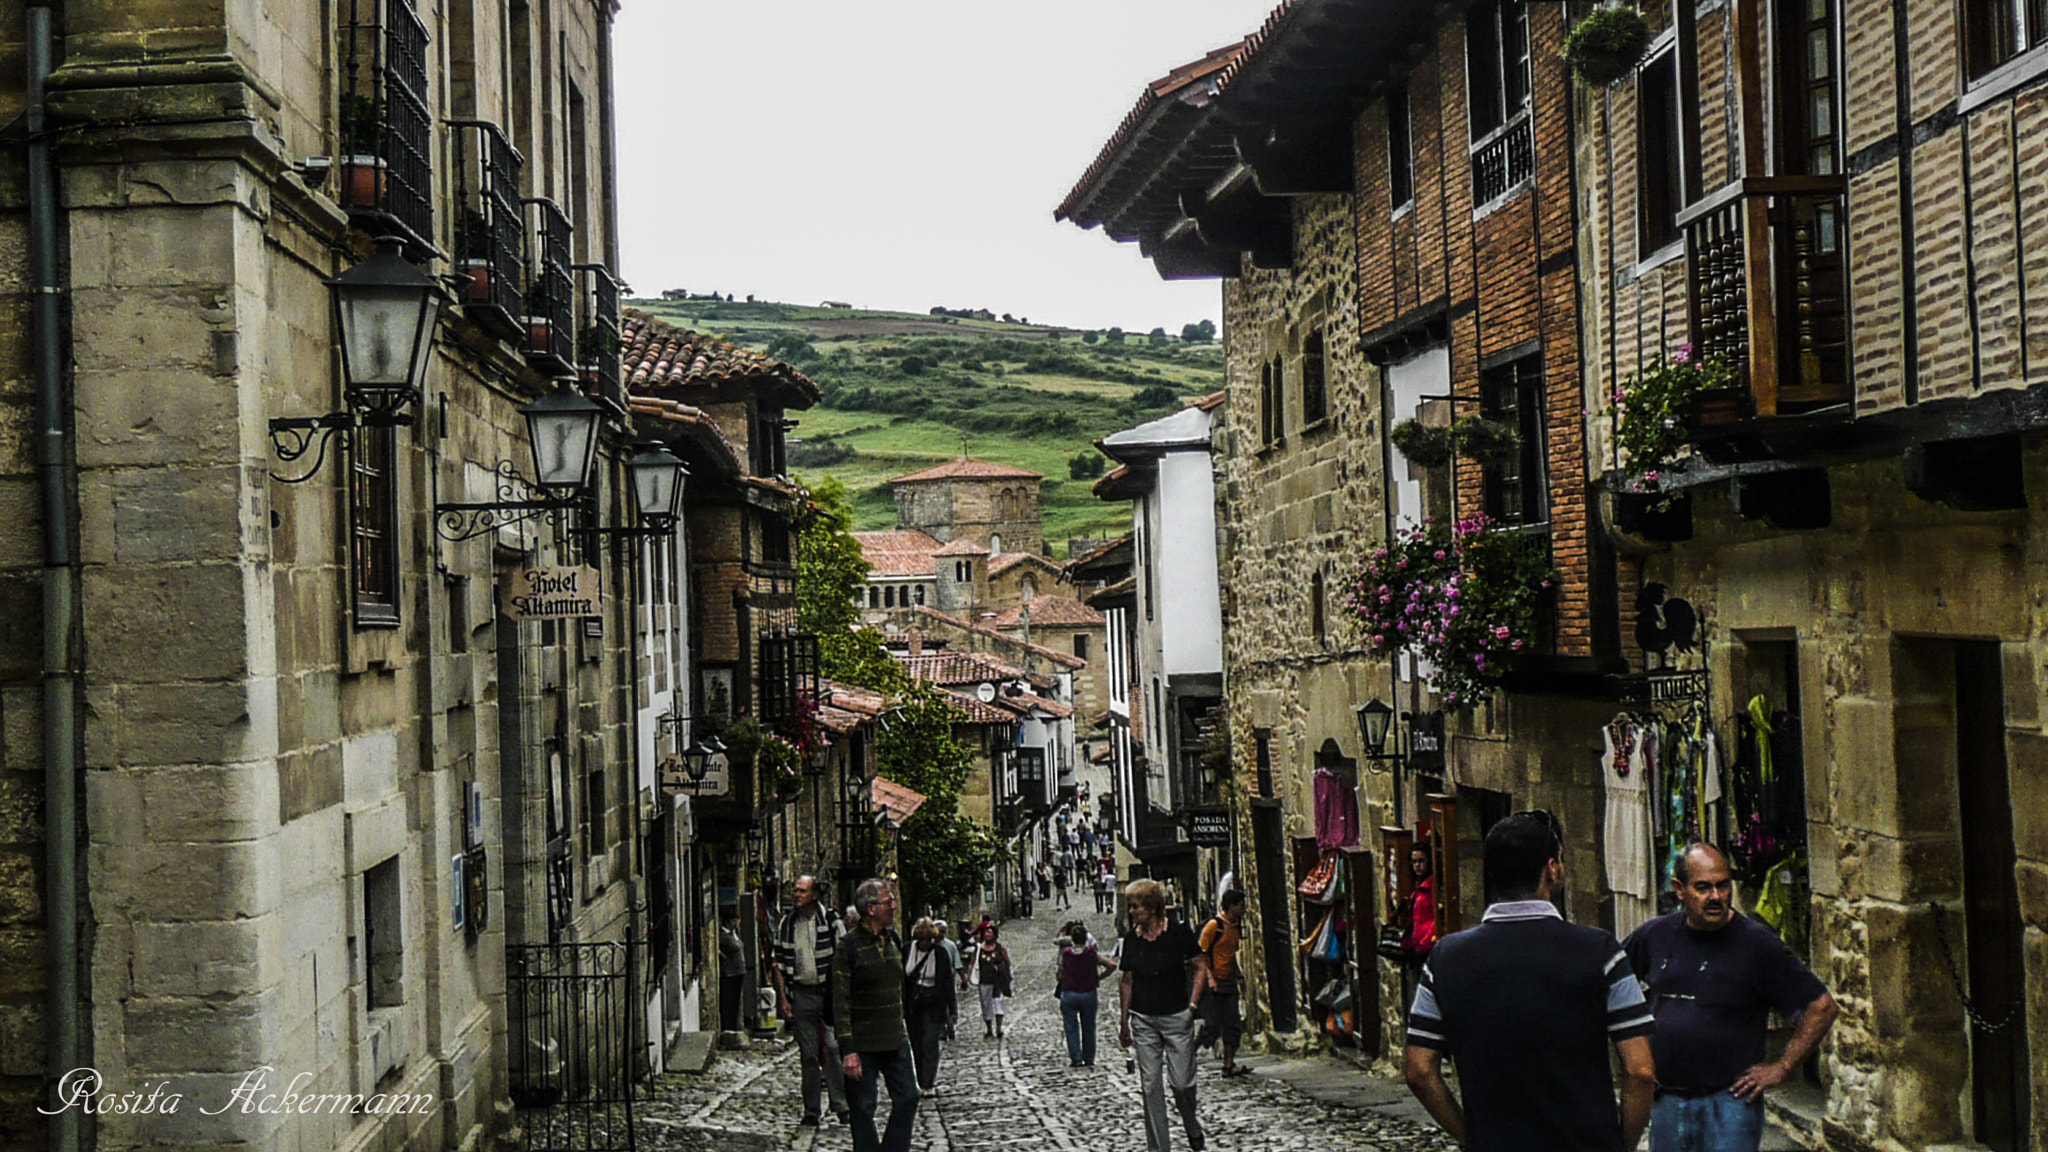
(1156, 396)
(1202, 333)
(1090, 336)
(1157, 337)
(831, 575)
(1114, 336)
(942, 856)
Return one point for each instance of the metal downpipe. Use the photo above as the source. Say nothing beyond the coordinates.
(62, 662)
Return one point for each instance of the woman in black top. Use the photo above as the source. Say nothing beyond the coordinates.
(927, 999)
(1159, 998)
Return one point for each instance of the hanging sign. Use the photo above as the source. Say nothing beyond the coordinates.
(554, 592)
(1208, 827)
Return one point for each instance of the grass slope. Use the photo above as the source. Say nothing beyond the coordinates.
(904, 392)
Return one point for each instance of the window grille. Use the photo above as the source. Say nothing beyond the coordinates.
(550, 293)
(599, 338)
(490, 233)
(387, 174)
(373, 518)
(1503, 161)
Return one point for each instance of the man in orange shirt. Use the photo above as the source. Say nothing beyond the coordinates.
(1222, 1017)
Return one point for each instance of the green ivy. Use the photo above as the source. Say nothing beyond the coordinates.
(942, 856)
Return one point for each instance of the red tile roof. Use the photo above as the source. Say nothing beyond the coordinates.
(977, 712)
(963, 547)
(1059, 711)
(997, 565)
(658, 355)
(1155, 93)
(902, 553)
(1051, 611)
(700, 424)
(968, 469)
(956, 667)
(1213, 400)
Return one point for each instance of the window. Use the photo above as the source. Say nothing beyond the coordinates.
(1029, 589)
(917, 595)
(1318, 624)
(1497, 77)
(386, 131)
(1314, 397)
(1081, 645)
(1809, 138)
(889, 597)
(1497, 63)
(1272, 417)
(1400, 150)
(1512, 394)
(774, 540)
(1999, 30)
(1658, 154)
(594, 805)
(874, 597)
(373, 519)
(383, 935)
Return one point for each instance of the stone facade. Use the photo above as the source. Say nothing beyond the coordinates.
(282, 732)
(996, 512)
(1898, 622)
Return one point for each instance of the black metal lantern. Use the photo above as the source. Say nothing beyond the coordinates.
(696, 760)
(384, 311)
(1374, 716)
(657, 477)
(563, 429)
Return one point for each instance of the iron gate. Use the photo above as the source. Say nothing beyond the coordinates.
(572, 1018)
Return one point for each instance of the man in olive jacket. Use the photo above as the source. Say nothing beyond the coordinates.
(867, 1006)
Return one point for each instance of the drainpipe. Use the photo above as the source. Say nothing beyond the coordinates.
(62, 658)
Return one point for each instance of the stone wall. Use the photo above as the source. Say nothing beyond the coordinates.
(974, 509)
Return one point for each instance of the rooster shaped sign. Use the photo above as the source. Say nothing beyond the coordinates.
(1665, 623)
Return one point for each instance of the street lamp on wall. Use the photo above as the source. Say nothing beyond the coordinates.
(1374, 717)
(383, 313)
(562, 433)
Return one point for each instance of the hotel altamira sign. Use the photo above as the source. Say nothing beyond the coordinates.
(550, 593)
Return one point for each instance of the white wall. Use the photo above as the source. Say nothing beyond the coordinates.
(1427, 373)
(1192, 632)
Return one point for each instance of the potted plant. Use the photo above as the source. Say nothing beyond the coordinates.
(595, 345)
(473, 253)
(1465, 597)
(363, 168)
(1428, 445)
(1653, 412)
(540, 308)
(1484, 440)
(1607, 44)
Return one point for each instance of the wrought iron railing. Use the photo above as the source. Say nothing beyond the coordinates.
(1503, 159)
(387, 172)
(490, 231)
(598, 340)
(550, 343)
(1768, 294)
(576, 1044)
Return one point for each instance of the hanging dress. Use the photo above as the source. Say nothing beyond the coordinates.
(1625, 768)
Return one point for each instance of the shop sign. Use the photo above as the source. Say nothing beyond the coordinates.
(1208, 827)
(554, 592)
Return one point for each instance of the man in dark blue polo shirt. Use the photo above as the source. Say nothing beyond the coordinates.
(1713, 976)
(1525, 1005)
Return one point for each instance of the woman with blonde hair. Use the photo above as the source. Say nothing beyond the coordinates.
(927, 999)
(1160, 996)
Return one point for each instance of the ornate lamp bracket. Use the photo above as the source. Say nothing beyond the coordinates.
(518, 501)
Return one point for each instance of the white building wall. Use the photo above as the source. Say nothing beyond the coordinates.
(1189, 599)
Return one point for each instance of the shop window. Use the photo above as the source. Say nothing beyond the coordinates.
(373, 519)
(1400, 150)
(1314, 396)
(1658, 155)
(1511, 393)
(1998, 30)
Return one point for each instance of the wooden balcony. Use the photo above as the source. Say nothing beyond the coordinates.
(1769, 295)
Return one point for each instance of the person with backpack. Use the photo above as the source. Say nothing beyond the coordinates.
(1223, 1017)
(1081, 969)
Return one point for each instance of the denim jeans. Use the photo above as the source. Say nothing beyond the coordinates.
(817, 1051)
(1165, 1047)
(1077, 1011)
(1717, 1122)
(862, 1095)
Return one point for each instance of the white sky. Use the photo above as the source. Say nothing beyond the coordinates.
(895, 153)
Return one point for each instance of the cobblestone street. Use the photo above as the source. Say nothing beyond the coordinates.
(1018, 1092)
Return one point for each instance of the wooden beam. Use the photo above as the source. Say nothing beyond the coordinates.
(1756, 221)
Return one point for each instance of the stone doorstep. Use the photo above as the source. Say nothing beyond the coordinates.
(1794, 1113)
(692, 1052)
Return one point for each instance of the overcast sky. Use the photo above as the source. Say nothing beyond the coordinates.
(895, 153)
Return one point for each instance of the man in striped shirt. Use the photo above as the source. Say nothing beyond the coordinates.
(1525, 1005)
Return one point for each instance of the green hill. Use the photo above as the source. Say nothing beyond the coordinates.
(903, 392)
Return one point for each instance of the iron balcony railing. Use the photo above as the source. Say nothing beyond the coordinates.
(1768, 294)
(550, 343)
(387, 174)
(1503, 160)
(490, 232)
(598, 340)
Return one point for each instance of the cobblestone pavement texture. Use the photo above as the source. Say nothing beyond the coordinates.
(1019, 1092)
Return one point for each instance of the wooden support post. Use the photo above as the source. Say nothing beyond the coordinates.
(1756, 220)
(1450, 910)
(1396, 843)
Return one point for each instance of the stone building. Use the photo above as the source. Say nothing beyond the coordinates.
(993, 505)
(320, 775)
(1858, 522)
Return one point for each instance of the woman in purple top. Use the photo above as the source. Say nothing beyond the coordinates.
(1081, 969)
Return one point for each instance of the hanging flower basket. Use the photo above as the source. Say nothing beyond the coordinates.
(1487, 441)
(1464, 597)
(1427, 445)
(1655, 411)
(1607, 45)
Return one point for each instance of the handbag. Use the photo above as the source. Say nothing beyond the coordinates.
(1330, 947)
(1333, 892)
(1391, 947)
(1314, 943)
(1319, 878)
